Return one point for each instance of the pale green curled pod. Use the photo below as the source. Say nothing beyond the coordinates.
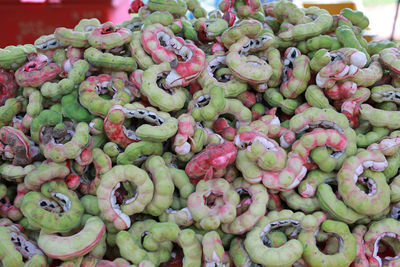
(163, 185)
(297, 202)
(158, 97)
(55, 210)
(213, 251)
(210, 218)
(322, 23)
(44, 173)
(383, 229)
(380, 118)
(308, 187)
(395, 190)
(377, 197)
(59, 247)
(12, 57)
(249, 216)
(315, 258)
(131, 248)
(135, 202)
(159, 233)
(191, 248)
(137, 153)
(385, 93)
(329, 202)
(256, 242)
(142, 58)
(316, 98)
(109, 61)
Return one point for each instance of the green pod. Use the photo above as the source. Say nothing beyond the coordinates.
(163, 185)
(285, 255)
(274, 98)
(84, 240)
(71, 108)
(12, 57)
(136, 153)
(376, 134)
(156, 95)
(142, 58)
(316, 98)
(11, 107)
(296, 202)
(315, 258)
(45, 118)
(335, 207)
(109, 61)
(356, 17)
(54, 195)
(348, 38)
(131, 248)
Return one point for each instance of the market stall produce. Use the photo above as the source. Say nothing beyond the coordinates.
(254, 135)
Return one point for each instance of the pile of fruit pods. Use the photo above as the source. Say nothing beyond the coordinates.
(254, 135)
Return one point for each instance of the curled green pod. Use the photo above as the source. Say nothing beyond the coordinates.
(91, 99)
(12, 57)
(177, 8)
(385, 93)
(276, 99)
(181, 181)
(13, 173)
(380, 118)
(45, 118)
(376, 133)
(71, 108)
(322, 23)
(320, 59)
(374, 47)
(247, 214)
(191, 248)
(297, 202)
(316, 98)
(356, 17)
(109, 61)
(395, 190)
(208, 104)
(308, 187)
(142, 58)
(85, 240)
(249, 28)
(136, 153)
(163, 185)
(256, 241)
(90, 204)
(159, 233)
(213, 251)
(134, 202)
(55, 210)
(210, 218)
(157, 96)
(314, 257)
(377, 197)
(11, 107)
(71, 149)
(35, 104)
(347, 38)
(163, 17)
(44, 173)
(131, 247)
(208, 79)
(335, 207)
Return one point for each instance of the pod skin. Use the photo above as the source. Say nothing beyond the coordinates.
(59, 247)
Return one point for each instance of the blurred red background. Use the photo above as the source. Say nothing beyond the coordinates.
(27, 20)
